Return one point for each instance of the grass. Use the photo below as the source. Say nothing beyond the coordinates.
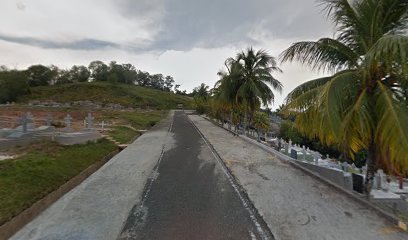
(126, 95)
(45, 167)
(127, 122)
(137, 120)
(123, 134)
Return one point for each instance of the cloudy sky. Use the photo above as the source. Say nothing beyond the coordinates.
(187, 39)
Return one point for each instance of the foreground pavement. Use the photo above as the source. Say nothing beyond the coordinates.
(190, 196)
(98, 207)
(293, 204)
(168, 184)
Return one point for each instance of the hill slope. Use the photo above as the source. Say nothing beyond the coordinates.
(126, 95)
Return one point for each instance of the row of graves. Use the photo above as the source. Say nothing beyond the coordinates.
(30, 129)
(387, 191)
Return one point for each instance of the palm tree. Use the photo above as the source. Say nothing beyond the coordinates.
(261, 123)
(228, 86)
(254, 78)
(363, 104)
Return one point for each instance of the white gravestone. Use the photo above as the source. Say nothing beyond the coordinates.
(68, 123)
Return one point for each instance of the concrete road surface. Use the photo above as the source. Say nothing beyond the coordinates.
(294, 204)
(190, 196)
(168, 184)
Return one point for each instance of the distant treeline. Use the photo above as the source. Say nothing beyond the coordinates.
(14, 83)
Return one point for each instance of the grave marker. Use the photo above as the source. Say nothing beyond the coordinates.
(68, 123)
(89, 121)
(24, 121)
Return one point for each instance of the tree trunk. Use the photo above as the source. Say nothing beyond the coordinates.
(371, 163)
(245, 119)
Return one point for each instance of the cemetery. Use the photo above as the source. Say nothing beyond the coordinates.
(388, 192)
(41, 148)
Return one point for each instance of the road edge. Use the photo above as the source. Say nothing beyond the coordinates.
(260, 223)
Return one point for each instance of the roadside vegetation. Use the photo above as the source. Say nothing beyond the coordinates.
(359, 112)
(362, 105)
(105, 93)
(41, 169)
(123, 134)
(243, 86)
(139, 120)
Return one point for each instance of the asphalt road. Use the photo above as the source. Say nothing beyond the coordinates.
(189, 196)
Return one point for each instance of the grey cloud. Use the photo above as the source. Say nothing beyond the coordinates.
(187, 24)
(83, 44)
(214, 23)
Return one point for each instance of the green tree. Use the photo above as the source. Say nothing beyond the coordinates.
(79, 74)
(363, 104)
(261, 122)
(201, 91)
(168, 83)
(40, 75)
(12, 85)
(254, 78)
(99, 71)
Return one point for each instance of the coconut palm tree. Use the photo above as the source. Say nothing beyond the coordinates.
(254, 78)
(228, 86)
(363, 104)
(261, 123)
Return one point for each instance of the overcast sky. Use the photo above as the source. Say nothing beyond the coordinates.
(187, 39)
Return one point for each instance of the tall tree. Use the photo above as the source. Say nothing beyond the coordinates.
(40, 75)
(79, 74)
(99, 71)
(168, 83)
(201, 91)
(12, 84)
(254, 78)
(363, 104)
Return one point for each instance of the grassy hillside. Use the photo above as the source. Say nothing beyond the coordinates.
(126, 95)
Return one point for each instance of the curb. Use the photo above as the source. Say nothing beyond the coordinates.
(360, 199)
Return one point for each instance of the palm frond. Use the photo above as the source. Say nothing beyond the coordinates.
(326, 54)
(392, 128)
(390, 50)
(306, 87)
(357, 126)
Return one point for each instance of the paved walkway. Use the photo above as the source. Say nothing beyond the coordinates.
(190, 196)
(295, 205)
(98, 207)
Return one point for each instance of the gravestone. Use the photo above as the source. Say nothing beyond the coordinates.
(103, 125)
(304, 153)
(287, 149)
(290, 146)
(89, 122)
(24, 122)
(345, 166)
(316, 158)
(358, 182)
(68, 123)
(384, 185)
